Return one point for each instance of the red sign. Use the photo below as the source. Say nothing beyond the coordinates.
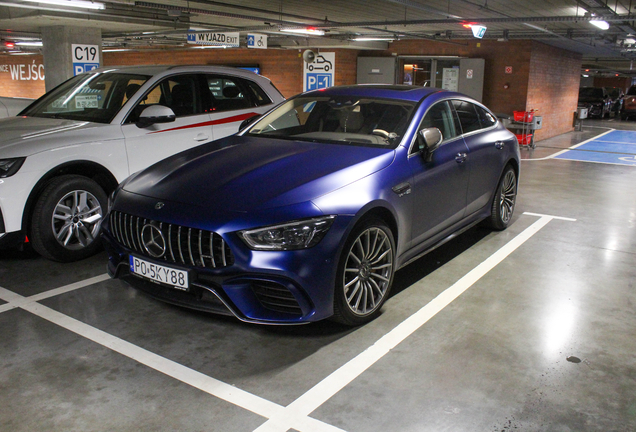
(508, 69)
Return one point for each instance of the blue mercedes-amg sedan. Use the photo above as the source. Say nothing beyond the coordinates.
(308, 212)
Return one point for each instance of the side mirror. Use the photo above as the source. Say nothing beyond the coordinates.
(429, 140)
(248, 121)
(155, 114)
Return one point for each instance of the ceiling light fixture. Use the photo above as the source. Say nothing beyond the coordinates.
(369, 39)
(84, 4)
(305, 31)
(603, 25)
(30, 44)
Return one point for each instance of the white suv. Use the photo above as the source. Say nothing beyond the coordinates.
(64, 154)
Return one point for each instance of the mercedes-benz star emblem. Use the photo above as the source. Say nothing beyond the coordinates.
(159, 205)
(153, 241)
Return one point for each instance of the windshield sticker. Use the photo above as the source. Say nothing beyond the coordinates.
(88, 101)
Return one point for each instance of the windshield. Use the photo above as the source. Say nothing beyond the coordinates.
(347, 119)
(95, 97)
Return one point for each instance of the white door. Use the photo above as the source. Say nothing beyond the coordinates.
(192, 125)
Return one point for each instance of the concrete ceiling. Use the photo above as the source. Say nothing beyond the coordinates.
(133, 24)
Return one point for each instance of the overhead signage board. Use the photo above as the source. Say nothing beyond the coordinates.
(85, 58)
(320, 72)
(230, 40)
(256, 40)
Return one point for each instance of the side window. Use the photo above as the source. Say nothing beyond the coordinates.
(440, 116)
(485, 118)
(258, 94)
(467, 116)
(179, 93)
(228, 93)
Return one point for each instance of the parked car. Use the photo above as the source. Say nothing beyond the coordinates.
(596, 100)
(11, 106)
(308, 212)
(629, 104)
(67, 151)
(616, 94)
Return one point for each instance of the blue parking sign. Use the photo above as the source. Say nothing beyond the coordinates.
(318, 80)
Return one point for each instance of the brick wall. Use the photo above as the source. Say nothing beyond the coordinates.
(620, 82)
(553, 88)
(283, 67)
(542, 77)
(21, 76)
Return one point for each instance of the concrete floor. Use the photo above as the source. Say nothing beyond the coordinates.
(531, 329)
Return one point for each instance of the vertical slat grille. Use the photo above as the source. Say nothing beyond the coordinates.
(184, 245)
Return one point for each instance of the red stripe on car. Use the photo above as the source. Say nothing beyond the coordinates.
(231, 119)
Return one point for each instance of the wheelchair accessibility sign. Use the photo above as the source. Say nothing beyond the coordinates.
(320, 72)
(256, 40)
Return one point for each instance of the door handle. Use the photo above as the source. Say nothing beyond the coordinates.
(402, 189)
(499, 145)
(201, 137)
(461, 158)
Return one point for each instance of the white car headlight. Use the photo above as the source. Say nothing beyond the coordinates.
(8, 167)
(290, 236)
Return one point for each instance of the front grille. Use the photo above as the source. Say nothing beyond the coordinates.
(276, 297)
(184, 245)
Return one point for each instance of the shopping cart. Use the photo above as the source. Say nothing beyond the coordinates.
(524, 119)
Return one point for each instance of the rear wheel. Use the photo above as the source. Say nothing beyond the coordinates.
(365, 273)
(67, 219)
(503, 204)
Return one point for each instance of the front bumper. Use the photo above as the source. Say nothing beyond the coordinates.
(267, 287)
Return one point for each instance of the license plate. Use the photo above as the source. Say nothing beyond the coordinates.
(159, 273)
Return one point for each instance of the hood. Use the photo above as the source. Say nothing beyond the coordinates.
(247, 173)
(24, 136)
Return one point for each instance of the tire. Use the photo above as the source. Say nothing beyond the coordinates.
(365, 273)
(67, 219)
(503, 204)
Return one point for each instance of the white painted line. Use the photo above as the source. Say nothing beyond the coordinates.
(16, 300)
(550, 216)
(328, 387)
(207, 384)
(579, 144)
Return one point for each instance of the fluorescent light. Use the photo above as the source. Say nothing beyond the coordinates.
(305, 31)
(603, 25)
(630, 41)
(368, 39)
(115, 49)
(84, 4)
(30, 44)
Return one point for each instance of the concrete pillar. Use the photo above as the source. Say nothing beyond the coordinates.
(57, 52)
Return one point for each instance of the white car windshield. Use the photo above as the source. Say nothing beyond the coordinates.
(95, 97)
(348, 119)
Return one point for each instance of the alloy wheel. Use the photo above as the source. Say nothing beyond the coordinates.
(368, 271)
(508, 196)
(77, 219)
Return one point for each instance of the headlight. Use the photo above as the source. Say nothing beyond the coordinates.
(8, 167)
(290, 236)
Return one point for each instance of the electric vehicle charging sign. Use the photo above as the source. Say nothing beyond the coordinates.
(320, 72)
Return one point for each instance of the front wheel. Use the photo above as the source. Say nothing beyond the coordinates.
(365, 273)
(67, 219)
(503, 204)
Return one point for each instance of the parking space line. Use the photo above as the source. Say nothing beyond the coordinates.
(205, 383)
(279, 418)
(328, 387)
(15, 300)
